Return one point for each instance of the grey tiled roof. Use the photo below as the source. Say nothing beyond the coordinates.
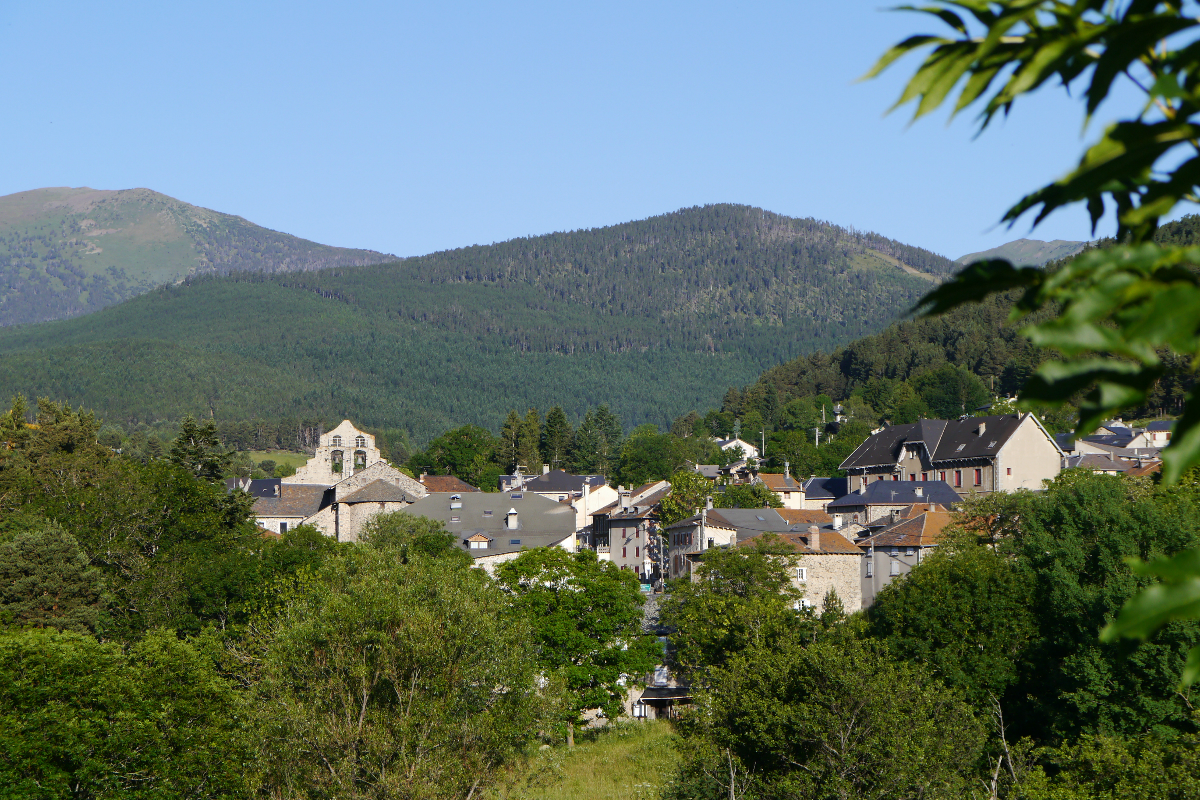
(540, 522)
(1161, 425)
(897, 493)
(943, 440)
(825, 488)
(379, 492)
(295, 500)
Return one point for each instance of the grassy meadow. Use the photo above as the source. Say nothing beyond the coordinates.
(626, 761)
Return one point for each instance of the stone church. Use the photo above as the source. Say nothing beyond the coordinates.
(342, 486)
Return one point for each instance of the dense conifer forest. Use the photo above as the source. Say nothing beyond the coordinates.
(656, 316)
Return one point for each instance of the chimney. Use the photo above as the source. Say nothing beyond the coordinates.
(982, 427)
(277, 487)
(511, 519)
(837, 522)
(624, 494)
(862, 487)
(545, 468)
(423, 476)
(814, 538)
(919, 491)
(708, 503)
(787, 470)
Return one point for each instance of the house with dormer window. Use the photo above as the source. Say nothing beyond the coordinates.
(974, 455)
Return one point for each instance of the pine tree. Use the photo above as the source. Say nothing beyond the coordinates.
(556, 438)
(529, 453)
(198, 450)
(509, 450)
(46, 581)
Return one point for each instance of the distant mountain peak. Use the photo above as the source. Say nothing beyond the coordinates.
(66, 250)
(1027, 252)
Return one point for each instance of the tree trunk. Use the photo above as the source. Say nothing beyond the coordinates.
(570, 734)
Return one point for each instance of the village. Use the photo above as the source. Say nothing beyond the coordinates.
(850, 536)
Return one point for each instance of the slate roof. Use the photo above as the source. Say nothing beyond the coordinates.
(642, 509)
(1066, 441)
(1161, 425)
(1097, 463)
(557, 480)
(943, 440)
(1109, 439)
(541, 522)
(825, 488)
(710, 471)
(921, 530)
(379, 492)
(446, 483)
(257, 487)
(897, 493)
(714, 519)
(295, 500)
(779, 482)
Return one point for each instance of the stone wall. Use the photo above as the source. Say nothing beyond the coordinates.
(837, 571)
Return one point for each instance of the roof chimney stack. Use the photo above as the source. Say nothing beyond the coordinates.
(511, 519)
(982, 427)
(814, 537)
(787, 470)
(919, 491)
(837, 522)
(545, 468)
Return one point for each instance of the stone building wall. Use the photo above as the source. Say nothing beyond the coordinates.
(837, 571)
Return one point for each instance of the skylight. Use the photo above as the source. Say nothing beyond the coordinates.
(991, 445)
(960, 447)
(516, 496)
(514, 541)
(487, 512)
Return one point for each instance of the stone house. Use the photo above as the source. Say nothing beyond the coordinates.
(626, 532)
(900, 546)
(973, 454)
(874, 503)
(495, 527)
(291, 507)
(826, 561)
(340, 453)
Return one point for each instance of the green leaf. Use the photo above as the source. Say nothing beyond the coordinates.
(975, 282)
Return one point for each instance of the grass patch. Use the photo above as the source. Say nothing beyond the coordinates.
(297, 460)
(626, 761)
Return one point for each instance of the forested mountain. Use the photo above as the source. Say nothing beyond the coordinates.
(653, 317)
(68, 251)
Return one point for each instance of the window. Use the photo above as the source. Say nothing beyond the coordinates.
(622, 552)
(912, 476)
(870, 552)
(516, 496)
(895, 477)
(1010, 470)
(514, 541)
(336, 441)
(637, 534)
(478, 545)
(895, 570)
(456, 505)
(710, 544)
(487, 512)
(802, 574)
(991, 445)
(360, 441)
(283, 527)
(878, 477)
(639, 710)
(454, 519)
(942, 475)
(908, 551)
(959, 449)
(979, 477)
(924, 476)
(869, 572)
(637, 552)
(895, 551)
(958, 477)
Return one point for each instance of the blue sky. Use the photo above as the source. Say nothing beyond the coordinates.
(410, 128)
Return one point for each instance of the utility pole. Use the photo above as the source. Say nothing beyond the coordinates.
(817, 433)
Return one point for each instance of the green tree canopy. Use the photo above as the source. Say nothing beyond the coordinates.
(586, 617)
(46, 581)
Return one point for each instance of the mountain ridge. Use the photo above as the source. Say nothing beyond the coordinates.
(67, 251)
(1027, 252)
(653, 317)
